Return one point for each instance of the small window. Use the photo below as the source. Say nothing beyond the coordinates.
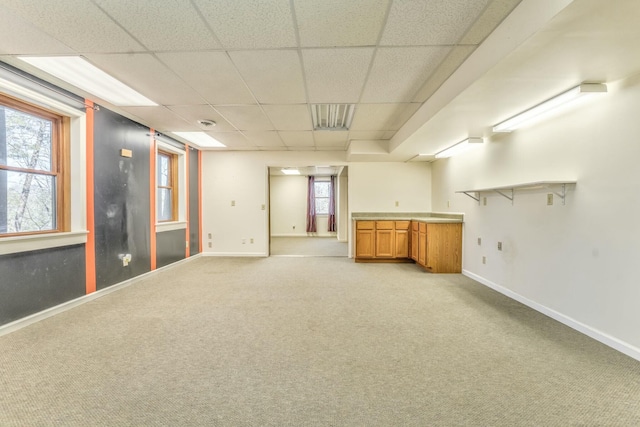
(322, 197)
(167, 182)
(33, 160)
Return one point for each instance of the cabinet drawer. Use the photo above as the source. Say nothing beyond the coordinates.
(385, 225)
(365, 225)
(402, 225)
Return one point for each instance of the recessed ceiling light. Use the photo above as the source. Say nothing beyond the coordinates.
(78, 72)
(206, 123)
(201, 139)
(290, 171)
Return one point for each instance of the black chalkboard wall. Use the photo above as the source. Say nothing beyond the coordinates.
(33, 281)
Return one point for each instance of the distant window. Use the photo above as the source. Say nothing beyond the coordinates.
(167, 183)
(33, 160)
(322, 197)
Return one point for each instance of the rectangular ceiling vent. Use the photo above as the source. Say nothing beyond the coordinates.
(332, 116)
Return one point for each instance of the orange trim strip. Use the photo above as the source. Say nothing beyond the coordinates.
(152, 197)
(200, 201)
(90, 246)
(187, 252)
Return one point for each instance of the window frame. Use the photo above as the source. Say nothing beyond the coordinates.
(173, 184)
(328, 183)
(60, 163)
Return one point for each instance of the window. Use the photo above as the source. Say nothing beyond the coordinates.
(34, 155)
(167, 182)
(322, 193)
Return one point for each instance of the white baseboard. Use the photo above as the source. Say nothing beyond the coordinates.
(235, 254)
(52, 311)
(597, 335)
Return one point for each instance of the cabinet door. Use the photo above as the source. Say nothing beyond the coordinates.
(385, 243)
(422, 244)
(402, 244)
(414, 241)
(364, 243)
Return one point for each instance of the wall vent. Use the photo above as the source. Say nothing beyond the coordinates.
(332, 116)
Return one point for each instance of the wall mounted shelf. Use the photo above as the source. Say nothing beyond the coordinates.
(508, 191)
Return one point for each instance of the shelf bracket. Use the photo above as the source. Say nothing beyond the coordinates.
(505, 195)
(476, 197)
(562, 194)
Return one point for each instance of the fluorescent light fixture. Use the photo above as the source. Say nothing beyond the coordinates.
(78, 72)
(578, 92)
(201, 139)
(290, 171)
(332, 116)
(458, 148)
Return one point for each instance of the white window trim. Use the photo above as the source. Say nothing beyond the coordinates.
(77, 171)
(181, 223)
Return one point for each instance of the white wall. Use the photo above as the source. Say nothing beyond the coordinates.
(243, 177)
(574, 262)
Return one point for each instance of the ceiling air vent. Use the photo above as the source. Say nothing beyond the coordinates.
(332, 116)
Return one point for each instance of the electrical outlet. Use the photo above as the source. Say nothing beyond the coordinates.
(209, 235)
(244, 241)
(484, 259)
(397, 203)
(251, 240)
(479, 241)
(209, 244)
(263, 207)
(294, 227)
(499, 246)
(448, 203)
(550, 199)
(233, 203)
(484, 201)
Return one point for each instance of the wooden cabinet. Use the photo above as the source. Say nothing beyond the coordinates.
(382, 241)
(414, 240)
(440, 247)
(422, 244)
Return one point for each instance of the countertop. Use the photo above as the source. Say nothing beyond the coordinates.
(432, 217)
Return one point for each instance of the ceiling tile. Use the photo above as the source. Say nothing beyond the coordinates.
(18, 36)
(289, 117)
(248, 118)
(382, 117)
(454, 59)
(389, 82)
(264, 138)
(234, 140)
(193, 113)
(61, 20)
(336, 75)
(250, 24)
(489, 20)
(144, 73)
(160, 118)
(158, 16)
(274, 76)
(331, 138)
(297, 138)
(212, 74)
(430, 22)
(340, 23)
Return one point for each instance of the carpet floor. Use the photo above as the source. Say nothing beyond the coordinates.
(310, 342)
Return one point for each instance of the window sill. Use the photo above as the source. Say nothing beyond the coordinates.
(16, 244)
(170, 226)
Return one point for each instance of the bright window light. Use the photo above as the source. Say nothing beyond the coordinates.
(578, 92)
(458, 148)
(201, 139)
(82, 74)
(290, 171)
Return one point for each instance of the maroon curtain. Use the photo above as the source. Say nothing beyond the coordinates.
(311, 205)
(332, 204)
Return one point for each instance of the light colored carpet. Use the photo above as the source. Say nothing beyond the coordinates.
(310, 342)
(308, 246)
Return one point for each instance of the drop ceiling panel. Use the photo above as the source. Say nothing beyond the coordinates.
(378, 117)
(430, 22)
(340, 22)
(250, 25)
(79, 24)
(289, 117)
(18, 36)
(159, 16)
(274, 76)
(336, 75)
(297, 138)
(389, 82)
(193, 113)
(454, 59)
(233, 140)
(495, 12)
(264, 138)
(160, 118)
(212, 74)
(147, 75)
(331, 138)
(245, 117)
